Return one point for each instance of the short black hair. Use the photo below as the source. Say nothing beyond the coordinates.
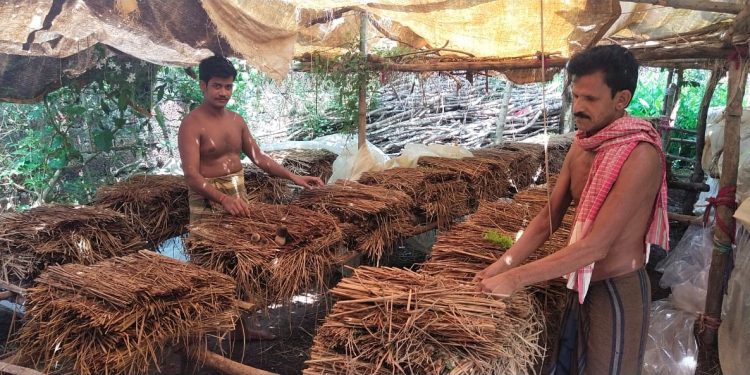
(618, 64)
(216, 66)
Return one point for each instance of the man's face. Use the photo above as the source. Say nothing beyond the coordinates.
(593, 104)
(217, 91)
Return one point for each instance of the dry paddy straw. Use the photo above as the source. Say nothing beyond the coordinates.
(396, 321)
(372, 217)
(317, 163)
(487, 177)
(118, 316)
(267, 271)
(58, 234)
(156, 205)
(263, 188)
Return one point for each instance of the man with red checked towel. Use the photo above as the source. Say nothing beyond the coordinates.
(615, 175)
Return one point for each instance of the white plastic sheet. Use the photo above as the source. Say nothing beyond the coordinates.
(670, 348)
(734, 332)
(686, 269)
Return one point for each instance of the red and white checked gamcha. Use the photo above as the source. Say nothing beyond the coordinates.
(613, 145)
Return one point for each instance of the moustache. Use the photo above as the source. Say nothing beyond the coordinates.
(582, 115)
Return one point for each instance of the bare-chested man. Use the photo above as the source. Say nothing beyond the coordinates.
(211, 139)
(614, 174)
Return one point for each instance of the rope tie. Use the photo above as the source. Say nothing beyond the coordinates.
(725, 197)
(705, 321)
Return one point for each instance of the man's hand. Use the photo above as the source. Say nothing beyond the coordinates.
(499, 266)
(307, 182)
(501, 285)
(235, 206)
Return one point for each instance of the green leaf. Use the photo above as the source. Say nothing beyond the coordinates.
(119, 123)
(103, 139)
(58, 159)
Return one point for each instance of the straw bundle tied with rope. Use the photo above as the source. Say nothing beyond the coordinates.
(276, 253)
(371, 217)
(318, 163)
(59, 234)
(156, 205)
(263, 188)
(487, 177)
(120, 315)
(435, 201)
(396, 321)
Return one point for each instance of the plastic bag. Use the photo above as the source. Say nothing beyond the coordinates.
(713, 189)
(412, 152)
(734, 332)
(352, 162)
(670, 347)
(685, 269)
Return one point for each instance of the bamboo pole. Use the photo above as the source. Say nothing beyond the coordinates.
(361, 118)
(701, 5)
(700, 138)
(708, 359)
(564, 124)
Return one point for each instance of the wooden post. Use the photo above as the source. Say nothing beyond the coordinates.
(500, 122)
(708, 359)
(362, 118)
(700, 137)
(7, 368)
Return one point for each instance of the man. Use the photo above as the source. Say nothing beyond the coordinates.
(210, 140)
(615, 174)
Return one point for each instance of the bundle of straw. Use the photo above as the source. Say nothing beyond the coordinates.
(486, 177)
(317, 163)
(58, 234)
(557, 148)
(263, 188)
(118, 316)
(372, 217)
(523, 162)
(440, 202)
(276, 253)
(396, 321)
(462, 252)
(156, 205)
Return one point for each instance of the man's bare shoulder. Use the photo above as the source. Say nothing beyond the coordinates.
(191, 120)
(645, 157)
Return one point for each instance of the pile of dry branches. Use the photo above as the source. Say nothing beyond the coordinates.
(486, 177)
(276, 253)
(118, 316)
(441, 110)
(57, 234)
(156, 205)
(371, 217)
(317, 163)
(523, 161)
(263, 188)
(395, 321)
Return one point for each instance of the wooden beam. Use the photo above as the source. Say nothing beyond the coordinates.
(689, 186)
(7, 368)
(708, 358)
(701, 5)
(680, 158)
(224, 365)
(687, 219)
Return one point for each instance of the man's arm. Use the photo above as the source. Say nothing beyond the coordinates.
(538, 230)
(270, 166)
(638, 183)
(188, 143)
